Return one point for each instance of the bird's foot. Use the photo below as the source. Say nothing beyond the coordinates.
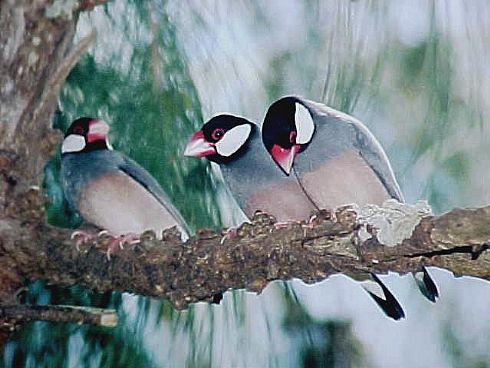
(83, 236)
(285, 224)
(314, 219)
(309, 225)
(305, 226)
(230, 233)
(117, 242)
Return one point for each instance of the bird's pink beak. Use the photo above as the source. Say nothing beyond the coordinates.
(198, 146)
(284, 157)
(97, 131)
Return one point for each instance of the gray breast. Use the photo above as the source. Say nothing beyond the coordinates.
(344, 163)
(79, 169)
(258, 184)
(342, 180)
(109, 198)
(118, 203)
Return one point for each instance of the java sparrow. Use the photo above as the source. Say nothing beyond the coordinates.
(257, 184)
(108, 189)
(335, 159)
(252, 177)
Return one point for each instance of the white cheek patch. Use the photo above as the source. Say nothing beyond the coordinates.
(305, 127)
(73, 143)
(233, 140)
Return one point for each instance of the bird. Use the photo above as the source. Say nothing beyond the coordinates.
(111, 191)
(235, 144)
(335, 159)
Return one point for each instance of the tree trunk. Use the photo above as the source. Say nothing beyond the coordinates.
(36, 55)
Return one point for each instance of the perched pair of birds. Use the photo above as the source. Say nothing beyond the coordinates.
(326, 159)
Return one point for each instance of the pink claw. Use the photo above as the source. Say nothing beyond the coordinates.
(118, 241)
(285, 224)
(230, 233)
(82, 236)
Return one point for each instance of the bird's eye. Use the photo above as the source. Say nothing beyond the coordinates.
(292, 137)
(78, 130)
(217, 134)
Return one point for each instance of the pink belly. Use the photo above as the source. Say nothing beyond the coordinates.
(343, 180)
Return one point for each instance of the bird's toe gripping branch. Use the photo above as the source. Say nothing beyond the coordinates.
(83, 237)
(115, 242)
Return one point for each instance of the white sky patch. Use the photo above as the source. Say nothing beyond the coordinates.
(73, 143)
(233, 140)
(305, 127)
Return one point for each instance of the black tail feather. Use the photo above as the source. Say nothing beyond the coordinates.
(217, 298)
(426, 284)
(389, 304)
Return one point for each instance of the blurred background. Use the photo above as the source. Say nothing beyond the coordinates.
(413, 71)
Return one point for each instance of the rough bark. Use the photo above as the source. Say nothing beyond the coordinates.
(36, 55)
(203, 266)
(33, 50)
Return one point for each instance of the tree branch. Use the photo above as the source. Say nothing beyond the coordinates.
(60, 313)
(202, 267)
(36, 55)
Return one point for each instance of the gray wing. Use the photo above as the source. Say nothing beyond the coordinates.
(138, 173)
(372, 152)
(368, 146)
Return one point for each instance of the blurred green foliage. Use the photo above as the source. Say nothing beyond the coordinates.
(45, 344)
(458, 353)
(152, 108)
(321, 344)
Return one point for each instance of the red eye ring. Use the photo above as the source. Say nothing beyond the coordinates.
(292, 137)
(78, 130)
(217, 134)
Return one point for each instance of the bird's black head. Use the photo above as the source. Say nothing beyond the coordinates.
(85, 135)
(222, 139)
(287, 130)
